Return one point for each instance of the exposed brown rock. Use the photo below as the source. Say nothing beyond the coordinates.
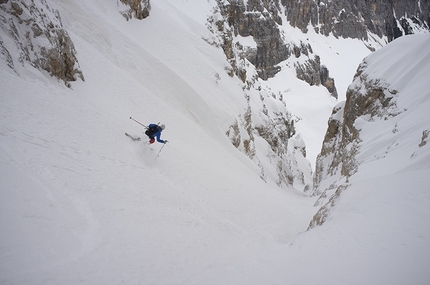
(40, 38)
(138, 9)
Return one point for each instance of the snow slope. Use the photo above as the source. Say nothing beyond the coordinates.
(82, 203)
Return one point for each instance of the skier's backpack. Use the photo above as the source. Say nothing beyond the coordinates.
(151, 131)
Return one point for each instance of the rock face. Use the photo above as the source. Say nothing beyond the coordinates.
(261, 20)
(353, 19)
(368, 99)
(234, 18)
(314, 73)
(33, 33)
(343, 18)
(285, 150)
(382, 129)
(138, 9)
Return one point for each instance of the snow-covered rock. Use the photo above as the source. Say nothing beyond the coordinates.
(33, 34)
(384, 112)
(138, 9)
(359, 19)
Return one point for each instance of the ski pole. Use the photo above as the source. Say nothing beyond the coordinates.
(138, 122)
(158, 154)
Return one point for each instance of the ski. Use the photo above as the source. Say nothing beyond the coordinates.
(133, 138)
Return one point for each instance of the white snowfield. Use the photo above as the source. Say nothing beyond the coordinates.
(81, 203)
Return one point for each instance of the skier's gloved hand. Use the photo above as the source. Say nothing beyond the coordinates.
(166, 141)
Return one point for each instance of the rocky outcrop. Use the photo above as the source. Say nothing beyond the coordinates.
(258, 20)
(261, 21)
(381, 130)
(33, 33)
(138, 9)
(314, 73)
(327, 81)
(285, 150)
(353, 19)
(250, 34)
(368, 99)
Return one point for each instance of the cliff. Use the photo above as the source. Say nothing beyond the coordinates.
(383, 122)
(359, 19)
(34, 34)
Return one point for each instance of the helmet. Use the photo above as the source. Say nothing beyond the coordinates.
(162, 126)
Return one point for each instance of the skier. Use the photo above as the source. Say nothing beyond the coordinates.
(154, 131)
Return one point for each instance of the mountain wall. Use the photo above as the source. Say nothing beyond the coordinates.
(263, 132)
(267, 23)
(263, 20)
(359, 18)
(33, 34)
(384, 118)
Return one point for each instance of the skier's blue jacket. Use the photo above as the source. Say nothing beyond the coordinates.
(157, 134)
